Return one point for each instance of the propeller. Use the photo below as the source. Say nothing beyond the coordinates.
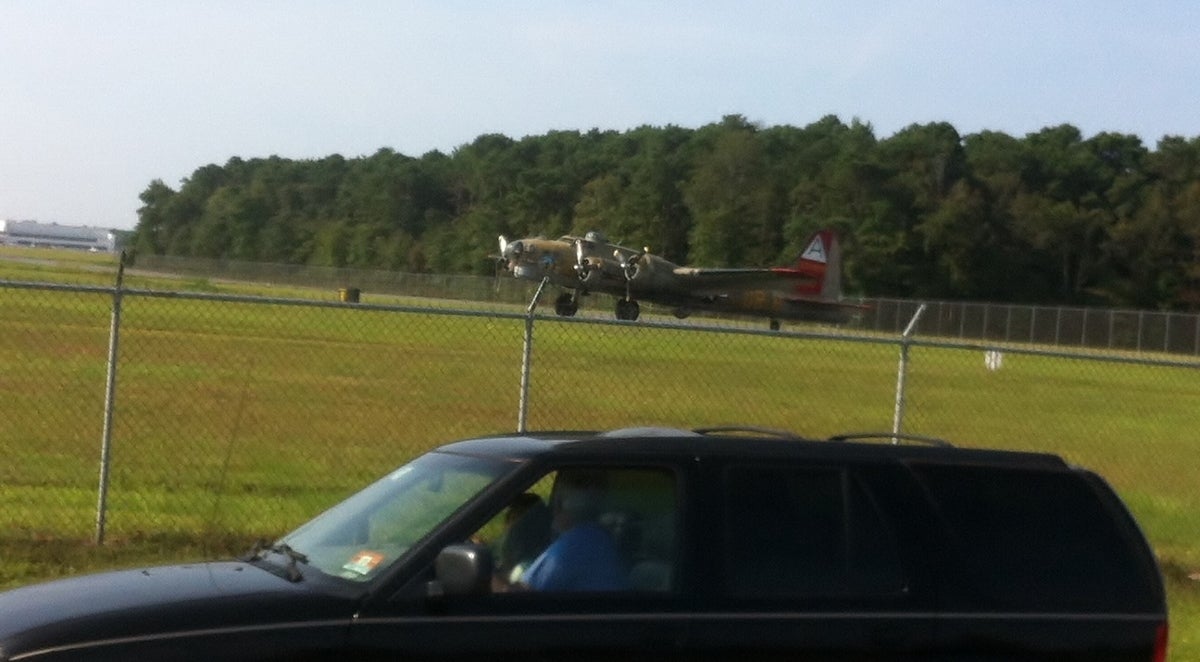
(629, 268)
(509, 249)
(499, 262)
(582, 268)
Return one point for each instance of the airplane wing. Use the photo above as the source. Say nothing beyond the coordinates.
(718, 282)
(816, 274)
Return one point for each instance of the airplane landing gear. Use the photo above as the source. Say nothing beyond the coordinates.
(774, 324)
(566, 305)
(628, 310)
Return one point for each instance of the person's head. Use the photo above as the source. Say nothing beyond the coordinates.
(528, 530)
(578, 496)
(521, 505)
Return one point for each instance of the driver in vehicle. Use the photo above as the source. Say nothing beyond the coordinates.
(526, 535)
(584, 556)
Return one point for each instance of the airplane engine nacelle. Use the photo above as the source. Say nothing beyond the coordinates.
(592, 271)
(643, 270)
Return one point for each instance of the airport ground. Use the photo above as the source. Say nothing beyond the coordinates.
(237, 419)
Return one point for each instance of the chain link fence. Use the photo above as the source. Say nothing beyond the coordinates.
(1057, 326)
(231, 418)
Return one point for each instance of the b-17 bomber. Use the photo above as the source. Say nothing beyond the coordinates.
(808, 290)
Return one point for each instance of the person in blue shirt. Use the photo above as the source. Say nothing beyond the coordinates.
(526, 534)
(584, 556)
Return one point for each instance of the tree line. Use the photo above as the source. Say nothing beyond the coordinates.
(1048, 218)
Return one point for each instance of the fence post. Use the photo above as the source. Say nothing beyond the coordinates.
(1167, 332)
(902, 374)
(110, 394)
(527, 357)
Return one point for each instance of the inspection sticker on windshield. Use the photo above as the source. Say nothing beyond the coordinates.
(363, 562)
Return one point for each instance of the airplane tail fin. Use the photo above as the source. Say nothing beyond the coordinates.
(821, 263)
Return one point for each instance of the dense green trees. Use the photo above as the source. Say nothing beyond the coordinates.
(1052, 217)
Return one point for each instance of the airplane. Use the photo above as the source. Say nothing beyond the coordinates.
(808, 290)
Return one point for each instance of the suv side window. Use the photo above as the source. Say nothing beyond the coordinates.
(1030, 539)
(586, 528)
(796, 532)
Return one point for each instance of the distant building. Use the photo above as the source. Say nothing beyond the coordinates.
(32, 233)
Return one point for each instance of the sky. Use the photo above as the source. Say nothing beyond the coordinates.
(100, 98)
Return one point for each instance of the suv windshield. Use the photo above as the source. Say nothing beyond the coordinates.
(366, 533)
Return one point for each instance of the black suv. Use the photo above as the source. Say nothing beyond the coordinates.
(656, 544)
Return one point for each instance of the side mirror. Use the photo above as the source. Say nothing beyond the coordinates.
(462, 569)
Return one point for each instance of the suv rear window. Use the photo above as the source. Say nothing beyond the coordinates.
(1034, 540)
(797, 532)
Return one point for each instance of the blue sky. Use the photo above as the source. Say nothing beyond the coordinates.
(98, 98)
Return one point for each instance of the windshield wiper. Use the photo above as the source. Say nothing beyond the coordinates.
(283, 549)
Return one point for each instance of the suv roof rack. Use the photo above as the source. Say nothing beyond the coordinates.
(749, 429)
(647, 431)
(896, 438)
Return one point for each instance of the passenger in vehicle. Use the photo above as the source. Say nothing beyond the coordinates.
(584, 557)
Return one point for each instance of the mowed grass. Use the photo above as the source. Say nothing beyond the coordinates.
(234, 421)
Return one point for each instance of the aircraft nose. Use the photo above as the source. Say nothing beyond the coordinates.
(510, 249)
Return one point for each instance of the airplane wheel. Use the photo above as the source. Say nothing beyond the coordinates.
(565, 306)
(628, 310)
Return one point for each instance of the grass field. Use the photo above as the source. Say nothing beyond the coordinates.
(234, 420)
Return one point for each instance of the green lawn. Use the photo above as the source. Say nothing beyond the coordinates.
(234, 421)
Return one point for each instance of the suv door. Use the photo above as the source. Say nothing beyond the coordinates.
(572, 616)
(814, 561)
(1041, 564)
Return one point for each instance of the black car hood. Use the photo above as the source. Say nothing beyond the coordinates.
(161, 600)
